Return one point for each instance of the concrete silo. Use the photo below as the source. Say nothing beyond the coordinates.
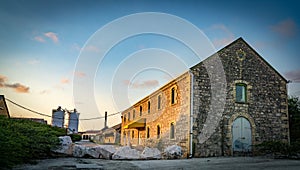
(73, 122)
(58, 117)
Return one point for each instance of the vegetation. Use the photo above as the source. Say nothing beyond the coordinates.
(22, 141)
(279, 148)
(75, 137)
(294, 113)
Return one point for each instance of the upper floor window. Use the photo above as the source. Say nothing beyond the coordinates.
(173, 95)
(133, 114)
(241, 92)
(149, 106)
(159, 102)
(141, 110)
(124, 118)
(128, 116)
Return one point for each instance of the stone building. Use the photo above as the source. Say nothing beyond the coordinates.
(224, 105)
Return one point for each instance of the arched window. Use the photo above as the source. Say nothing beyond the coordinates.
(128, 116)
(148, 132)
(132, 134)
(158, 131)
(141, 110)
(241, 92)
(124, 118)
(172, 130)
(158, 102)
(149, 107)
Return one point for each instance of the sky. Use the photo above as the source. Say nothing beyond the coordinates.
(52, 52)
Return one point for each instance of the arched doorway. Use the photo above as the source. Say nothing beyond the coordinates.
(241, 136)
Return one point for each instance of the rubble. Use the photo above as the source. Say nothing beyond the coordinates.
(172, 152)
(65, 147)
(151, 153)
(126, 153)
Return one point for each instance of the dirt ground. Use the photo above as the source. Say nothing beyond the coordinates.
(224, 163)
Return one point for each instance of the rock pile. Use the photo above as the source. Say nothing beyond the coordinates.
(87, 149)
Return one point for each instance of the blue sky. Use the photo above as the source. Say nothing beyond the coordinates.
(40, 42)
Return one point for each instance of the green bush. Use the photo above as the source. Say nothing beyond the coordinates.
(279, 148)
(75, 137)
(22, 141)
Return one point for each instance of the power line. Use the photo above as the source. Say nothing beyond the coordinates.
(42, 114)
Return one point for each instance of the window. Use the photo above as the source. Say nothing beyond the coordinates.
(132, 134)
(124, 118)
(128, 116)
(133, 114)
(240, 92)
(149, 106)
(148, 132)
(172, 131)
(141, 110)
(173, 95)
(158, 102)
(158, 131)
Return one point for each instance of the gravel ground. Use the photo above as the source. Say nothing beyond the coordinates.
(224, 163)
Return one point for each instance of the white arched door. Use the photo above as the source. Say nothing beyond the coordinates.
(241, 135)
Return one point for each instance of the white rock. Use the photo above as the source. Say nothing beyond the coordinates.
(66, 145)
(106, 151)
(172, 152)
(126, 153)
(79, 151)
(151, 153)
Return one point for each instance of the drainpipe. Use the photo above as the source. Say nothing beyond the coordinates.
(191, 114)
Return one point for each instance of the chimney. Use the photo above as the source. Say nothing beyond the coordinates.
(105, 122)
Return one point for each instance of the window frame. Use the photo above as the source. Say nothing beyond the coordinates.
(158, 102)
(243, 95)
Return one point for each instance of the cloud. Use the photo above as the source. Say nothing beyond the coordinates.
(65, 81)
(39, 39)
(33, 62)
(285, 28)
(52, 36)
(19, 88)
(91, 48)
(80, 74)
(3, 79)
(142, 85)
(45, 92)
(223, 34)
(293, 75)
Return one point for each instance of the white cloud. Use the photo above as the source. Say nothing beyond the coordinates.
(52, 36)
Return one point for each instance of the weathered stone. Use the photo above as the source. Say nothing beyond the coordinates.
(79, 151)
(126, 153)
(151, 153)
(65, 146)
(172, 152)
(106, 151)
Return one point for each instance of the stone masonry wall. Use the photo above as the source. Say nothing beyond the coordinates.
(177, 113)
(265, 107)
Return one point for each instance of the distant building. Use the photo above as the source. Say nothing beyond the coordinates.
(109, 135)
(58, 117)
(89, 134)
(73, 122)
(3, 107)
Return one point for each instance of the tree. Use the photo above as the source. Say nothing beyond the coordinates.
(294, 113)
